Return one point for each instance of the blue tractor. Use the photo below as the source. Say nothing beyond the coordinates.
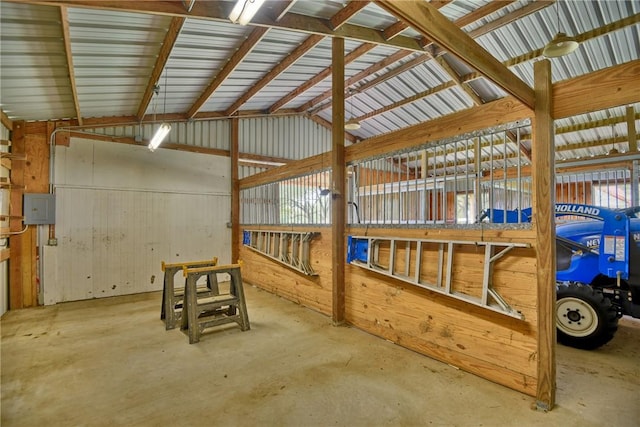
(597, 270)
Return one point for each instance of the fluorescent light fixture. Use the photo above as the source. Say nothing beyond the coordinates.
(352, 124)
(244, 11)
(160, 135)
(560, 45)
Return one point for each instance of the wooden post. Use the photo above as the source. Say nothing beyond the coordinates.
(542, 172)
(631, 130)
(338, 187)
(235, 191)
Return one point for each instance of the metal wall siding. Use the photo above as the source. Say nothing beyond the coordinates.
(32, 61)
(293, 137)
(114, 49)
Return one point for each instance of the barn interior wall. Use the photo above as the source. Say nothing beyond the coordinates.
(121, 210)
(4, 209)
(488, 344)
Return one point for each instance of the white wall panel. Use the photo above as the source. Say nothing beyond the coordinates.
(121, 210)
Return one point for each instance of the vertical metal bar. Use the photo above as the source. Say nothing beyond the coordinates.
(491, 184)
(504, 172)
(635, 187)
(434, 194)
(519, 175)
(385, 202)
(466, 186)
(423, 199)
(477, 152)
(445, 172)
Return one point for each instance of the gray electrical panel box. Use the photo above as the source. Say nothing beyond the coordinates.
(39, 208)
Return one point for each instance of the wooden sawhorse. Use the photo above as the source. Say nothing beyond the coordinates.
(204, 312)
(172, 296)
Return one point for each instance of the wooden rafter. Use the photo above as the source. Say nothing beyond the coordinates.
(219, 11)
(336, 21)
(446, 67)
(510, 17)
(327, 124)
(428, 21)
(66, 36)
(381, 78)
(167, 46)
(350, 10)
(352, 56)
(279, 8)
(247, 46)
(594, 124)
(631, 130)
(6, 121)
(282, 66)
(393, 30)
(389, 60)
(406, 101)
(581, 38)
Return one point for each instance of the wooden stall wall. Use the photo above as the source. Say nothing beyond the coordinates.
(310, 291)
(491, 345)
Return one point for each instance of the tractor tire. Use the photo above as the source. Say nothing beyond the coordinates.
(585, 318)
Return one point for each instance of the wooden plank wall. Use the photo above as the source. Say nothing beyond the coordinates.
(33, 174)
(491, 345)
(314, 292)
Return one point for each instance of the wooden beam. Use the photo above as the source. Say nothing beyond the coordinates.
(482, 12)
(501, 111)
(534, 54)
(5, 120)
(279, 8)
(594, 124)
(235, 191)
(394, 29)
(389, 60)
(510, 17)
(607, 88)
(322, 75)
(17, 244)
(282, 66)
(475, 98)
(338, 186)
(467, 19)
(219, 11)
(346, 13)
(66, 38)
(247, 46)
(428, 21)
(411, 99)
(543, 172)
(326, 124)
(632, 135)
(165, 50)
(381, 78)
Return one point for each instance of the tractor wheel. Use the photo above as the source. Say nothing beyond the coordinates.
(585, 318)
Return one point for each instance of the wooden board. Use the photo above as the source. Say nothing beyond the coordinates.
(491, 345)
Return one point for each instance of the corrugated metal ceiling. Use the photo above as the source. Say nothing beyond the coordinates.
(114, 54)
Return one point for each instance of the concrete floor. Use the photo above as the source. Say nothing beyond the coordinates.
(110, 362)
